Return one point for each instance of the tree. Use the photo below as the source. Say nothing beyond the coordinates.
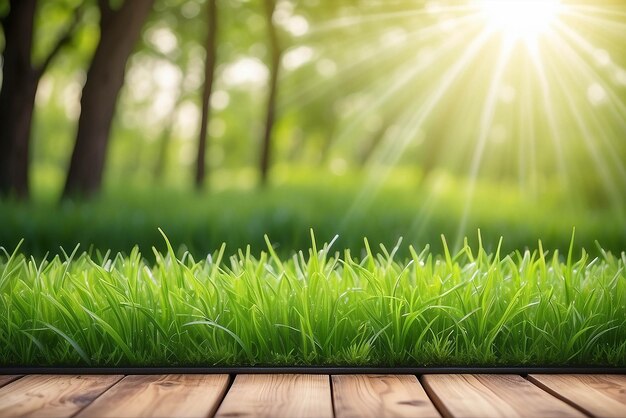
(270, 114)
(119, 31)
(20, 78)
(164, 144)
(209, 71)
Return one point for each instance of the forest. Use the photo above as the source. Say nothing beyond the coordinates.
(386, 183)
(222, 121)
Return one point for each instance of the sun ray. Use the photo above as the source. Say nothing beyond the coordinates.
(545, 90)
(393, 152)
(387, 91)
(594, 152)
(375, 180)
(589, 72)
(596, 21)
(356, 67)
(488, 112)
(598, 10)
(527, 146)
(591, 77)
(538, 114)
(345, 22)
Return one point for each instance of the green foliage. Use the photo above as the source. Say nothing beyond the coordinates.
(348, 205)
(368, 76)
(384, 131)
(317, 307)
(4, 7)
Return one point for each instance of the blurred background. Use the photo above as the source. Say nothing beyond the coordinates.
(224, 120)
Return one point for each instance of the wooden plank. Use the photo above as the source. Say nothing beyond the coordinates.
(278, 395)
(52, 396)
(597, 395)
(493, 396)
(5, 379)
(380, 396)
(190, 395)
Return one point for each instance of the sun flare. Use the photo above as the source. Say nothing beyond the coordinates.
(522, 20)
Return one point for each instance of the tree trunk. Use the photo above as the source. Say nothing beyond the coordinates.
(119, 32)
(270, 116)
(164, 144)
(209, 71)
(17, 98)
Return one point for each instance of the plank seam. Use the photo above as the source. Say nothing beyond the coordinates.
(220, 401)
(434, 398)
(94, 399)
(332, 395)
(8, 382)
(558, 395)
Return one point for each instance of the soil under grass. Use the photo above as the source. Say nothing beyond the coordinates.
(324, 308)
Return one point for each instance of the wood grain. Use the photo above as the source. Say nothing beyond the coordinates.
(597, 395)
(380, 396)
(52, 396)
(493, 396)
(5, 379)
(174, 395)
(278, 395)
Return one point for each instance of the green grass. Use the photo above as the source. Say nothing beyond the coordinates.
(351, 206)
(316, 308)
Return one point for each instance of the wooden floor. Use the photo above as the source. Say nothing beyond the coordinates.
(300, 395)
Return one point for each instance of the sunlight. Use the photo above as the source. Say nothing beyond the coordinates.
(486, 122)
(522, 20)
(487, 99)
